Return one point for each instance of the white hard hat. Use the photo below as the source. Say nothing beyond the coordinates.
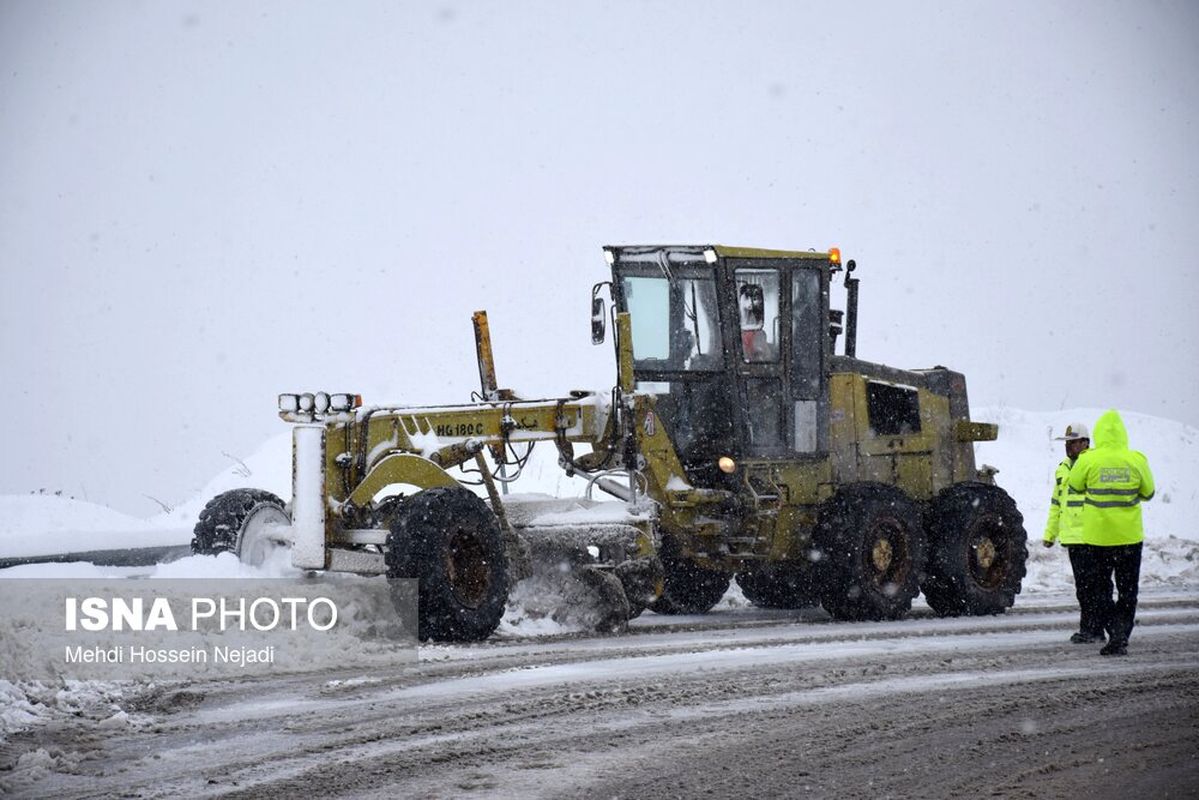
(1075, 430)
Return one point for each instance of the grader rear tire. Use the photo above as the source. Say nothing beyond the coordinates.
(451, 543)
(870, 552)
(238, 522)
(979, 548)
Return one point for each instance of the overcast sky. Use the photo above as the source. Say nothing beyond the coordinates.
(204, 204)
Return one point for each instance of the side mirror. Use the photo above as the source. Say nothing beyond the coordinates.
(599, 320)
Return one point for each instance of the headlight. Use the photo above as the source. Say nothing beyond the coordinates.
(727, 465)
(345, 402)
(313, 406)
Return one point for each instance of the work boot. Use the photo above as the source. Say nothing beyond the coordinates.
(1083, 637)
(1114, 648)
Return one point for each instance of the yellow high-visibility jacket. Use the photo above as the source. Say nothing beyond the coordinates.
(1065, 512)
(1112, 482)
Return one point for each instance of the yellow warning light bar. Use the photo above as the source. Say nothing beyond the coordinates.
(834, 255)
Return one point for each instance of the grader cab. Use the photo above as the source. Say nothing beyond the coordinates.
(737, 442)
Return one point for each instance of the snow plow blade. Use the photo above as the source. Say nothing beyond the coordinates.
(597, 574)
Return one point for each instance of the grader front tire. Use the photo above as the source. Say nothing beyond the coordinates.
(451, 543)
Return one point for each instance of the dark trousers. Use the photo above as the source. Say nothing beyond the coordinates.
(1085, 589)
(1100, 565)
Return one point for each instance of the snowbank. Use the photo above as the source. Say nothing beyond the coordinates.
(32, 525)
(269, 468)
(30, 703)
(364, 638)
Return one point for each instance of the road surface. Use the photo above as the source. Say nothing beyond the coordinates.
(741, 703)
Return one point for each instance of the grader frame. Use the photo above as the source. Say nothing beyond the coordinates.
(740, 441)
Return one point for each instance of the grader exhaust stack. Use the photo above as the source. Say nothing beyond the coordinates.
(851, 310)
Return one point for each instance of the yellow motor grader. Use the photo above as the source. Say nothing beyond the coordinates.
(736, 442)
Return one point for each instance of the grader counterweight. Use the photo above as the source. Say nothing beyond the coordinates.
(736, 441)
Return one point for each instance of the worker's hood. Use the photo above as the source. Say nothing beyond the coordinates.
(1110, 431)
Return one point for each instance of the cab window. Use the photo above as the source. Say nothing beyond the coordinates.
(675, 322)
(758, 313)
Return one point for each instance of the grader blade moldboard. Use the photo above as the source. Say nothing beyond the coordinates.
(590, 564)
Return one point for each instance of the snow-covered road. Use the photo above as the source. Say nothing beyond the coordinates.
(742, 702)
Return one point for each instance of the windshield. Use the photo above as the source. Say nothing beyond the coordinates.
(675, 321)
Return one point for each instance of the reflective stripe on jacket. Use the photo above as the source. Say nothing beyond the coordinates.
(1112, 482)
(1065, 510)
